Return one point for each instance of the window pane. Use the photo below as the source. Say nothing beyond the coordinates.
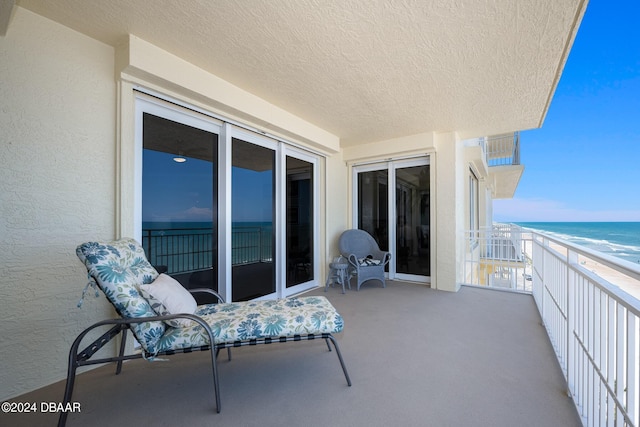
(252, 212)
(179, 210)
(299, 221)
(373, 205)
(412, 232)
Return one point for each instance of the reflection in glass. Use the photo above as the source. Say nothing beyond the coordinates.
(412, 230)
(252, 213)
(299, 221)
(179, 210)
(373, 205)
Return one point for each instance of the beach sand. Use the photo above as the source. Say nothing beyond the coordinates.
(626, 283)
(616, 278)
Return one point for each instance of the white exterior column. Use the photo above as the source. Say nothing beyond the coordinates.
(450, 205)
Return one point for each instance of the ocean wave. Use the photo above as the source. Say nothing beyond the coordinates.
(620, 250)
(613, 246)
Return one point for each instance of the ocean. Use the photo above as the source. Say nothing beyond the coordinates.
(619, 239)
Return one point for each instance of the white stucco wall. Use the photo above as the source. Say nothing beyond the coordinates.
(57, 121)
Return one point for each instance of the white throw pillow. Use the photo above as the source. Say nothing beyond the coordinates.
(167, 296)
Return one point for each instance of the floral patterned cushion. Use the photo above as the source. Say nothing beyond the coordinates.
(119, 267)
(240, 321)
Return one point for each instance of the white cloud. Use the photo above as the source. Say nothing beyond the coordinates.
(542, 210)
(195, 214)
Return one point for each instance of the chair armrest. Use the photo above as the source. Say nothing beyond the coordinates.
(120, 323)
(353, 260)
(383, 256)
(207, 291)
(130, 320)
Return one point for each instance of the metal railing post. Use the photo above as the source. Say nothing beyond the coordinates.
(572, 258)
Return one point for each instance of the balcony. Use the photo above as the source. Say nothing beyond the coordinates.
(417, 356)
(503, 150)
(503, 160)
(589, 306)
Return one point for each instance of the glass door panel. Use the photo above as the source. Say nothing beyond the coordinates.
(252, 221)
(373, 205)
(412, 214)
(300, 221)
(179, 200)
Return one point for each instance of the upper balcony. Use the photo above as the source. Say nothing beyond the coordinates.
(497, 158)
(503, 150)
(503, 159)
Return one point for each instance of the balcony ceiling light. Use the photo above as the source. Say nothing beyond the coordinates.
(179, 158)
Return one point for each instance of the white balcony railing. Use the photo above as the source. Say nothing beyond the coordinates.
(499, 257)
(593, 324)
(503, 150)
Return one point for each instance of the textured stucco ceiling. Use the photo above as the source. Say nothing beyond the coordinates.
(363, 70)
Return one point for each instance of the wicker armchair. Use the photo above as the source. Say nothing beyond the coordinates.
(366, 260)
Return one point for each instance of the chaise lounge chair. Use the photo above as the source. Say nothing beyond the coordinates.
(164, 318)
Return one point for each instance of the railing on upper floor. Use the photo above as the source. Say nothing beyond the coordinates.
(503, 150)
(593, 325)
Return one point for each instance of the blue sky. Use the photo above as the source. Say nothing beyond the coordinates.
(183, 192)
(176, 191)
(584, 163)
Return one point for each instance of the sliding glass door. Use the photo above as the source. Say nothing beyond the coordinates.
(392, 203)
(221, 207)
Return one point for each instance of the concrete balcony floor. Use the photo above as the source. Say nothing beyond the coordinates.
(416, 356)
